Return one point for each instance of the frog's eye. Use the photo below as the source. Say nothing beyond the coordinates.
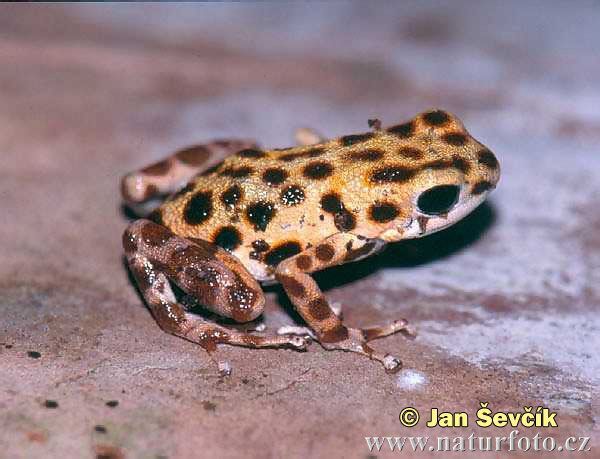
(438, 200)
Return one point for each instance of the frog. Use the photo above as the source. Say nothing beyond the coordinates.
(224, 227)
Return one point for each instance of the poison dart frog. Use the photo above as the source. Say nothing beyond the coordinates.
(278, 215)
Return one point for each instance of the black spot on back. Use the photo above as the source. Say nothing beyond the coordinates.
(487, 158)
(250, 153)
(199, 208)
(352, 139)
(344, 221)
(366, 155)
(274, 176)
(291, 157)
(404, 130)
(228, 237)
(458, 139)
(410, 152)
(260, 245)
(232, 195)
(457, 163)
(312, 153)
(292, 195)
(331, 203)
(481, 187)
(240, 172)
(438, 164)
(318, 170)
(436, 118)
(392, 174)
(461, 164)
(260, 214)
(383, 212)
(282, 251)
(342, 218)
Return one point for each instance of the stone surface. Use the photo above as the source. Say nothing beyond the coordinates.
(506, 302)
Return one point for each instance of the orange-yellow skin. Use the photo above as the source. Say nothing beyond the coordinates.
(266, 206)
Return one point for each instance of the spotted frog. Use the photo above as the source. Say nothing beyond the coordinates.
(278, 215)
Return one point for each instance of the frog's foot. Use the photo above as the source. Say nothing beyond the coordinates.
(295, 330)
(356, 340)
(208, 335)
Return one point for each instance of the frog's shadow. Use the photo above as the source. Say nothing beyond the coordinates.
(405, 254)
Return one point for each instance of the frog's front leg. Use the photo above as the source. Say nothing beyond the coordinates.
(171, 173)
(210, 274)
(303, 291)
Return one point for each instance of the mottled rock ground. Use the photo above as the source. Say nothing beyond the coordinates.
(507, 302)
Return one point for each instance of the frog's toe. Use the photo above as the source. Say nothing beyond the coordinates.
(336, 307)
(224, 368)
(295, 330)
(356, 341)
(381, 331)
(391, 364)
(299, 343)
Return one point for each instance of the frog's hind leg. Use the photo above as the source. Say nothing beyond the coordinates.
(211, 275)
(303, 291)
(143, 187)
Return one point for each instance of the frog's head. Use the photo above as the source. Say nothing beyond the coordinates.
(446, 174)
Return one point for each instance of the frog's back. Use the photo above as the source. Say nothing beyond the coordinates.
(266, 205)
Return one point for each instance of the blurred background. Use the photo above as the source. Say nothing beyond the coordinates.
(506, 302)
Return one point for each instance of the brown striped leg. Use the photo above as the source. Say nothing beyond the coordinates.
(168, 175)
(210, 274)
(308, 299)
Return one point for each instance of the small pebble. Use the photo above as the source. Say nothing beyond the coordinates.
(112, 403)
(51, 404)
(209, 406)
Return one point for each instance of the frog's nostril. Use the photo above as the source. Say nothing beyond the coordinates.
(438, 200)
